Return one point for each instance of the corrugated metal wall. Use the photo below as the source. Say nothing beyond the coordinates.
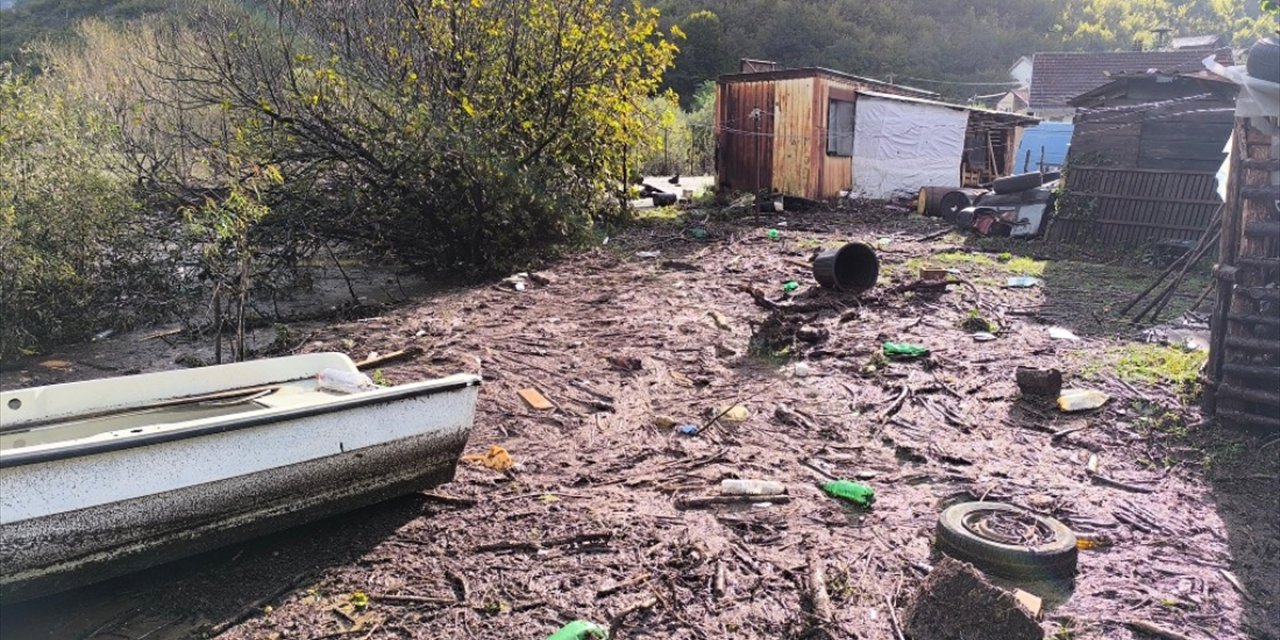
(743, 156)
(1128, 207)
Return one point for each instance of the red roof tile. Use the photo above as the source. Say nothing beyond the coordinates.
(1058, 77)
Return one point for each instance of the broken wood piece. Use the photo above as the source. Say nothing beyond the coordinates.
(627, 584)
(563, 541)
(819, 599)
(618, 617)
(535, 400)
(1156, 630)
(931, 285)
(1112, 482)
(1029, 601)
(377, 361)
(933, 236)
(450, 500)
(160, 334)
(893, 619)
(1062, 433)
(1235, 582)
(679, 265)
(720, 320)
(700, 502)
(412, 599)
(786, 415)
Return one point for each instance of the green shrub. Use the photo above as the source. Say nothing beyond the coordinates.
(75, 252)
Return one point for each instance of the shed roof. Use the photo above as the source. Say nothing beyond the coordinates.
(987, 114)
(1115, 81)
(810, 72)
(1057, 77)
(1210, 41)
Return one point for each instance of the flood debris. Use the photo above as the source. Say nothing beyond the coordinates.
(954, 429)
(1072, 400)
(1039, 382)
(956, 602)
(495, 458)
(535, 399)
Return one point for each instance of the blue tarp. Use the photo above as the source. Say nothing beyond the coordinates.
(1048, 140)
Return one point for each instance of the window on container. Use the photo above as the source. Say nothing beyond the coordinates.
(839, 128)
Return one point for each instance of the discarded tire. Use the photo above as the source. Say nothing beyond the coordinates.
(853, 267)
(1264, 60)
(944, 202)
(1004, 540)
(1022, 181)
(664, 199)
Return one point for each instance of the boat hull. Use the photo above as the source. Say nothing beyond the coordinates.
(74, 520)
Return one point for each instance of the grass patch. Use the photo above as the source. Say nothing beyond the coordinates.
(657, 215)
(1158, 364)
(1003, 263)
(1151, 364)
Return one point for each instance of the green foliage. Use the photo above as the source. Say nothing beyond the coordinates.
(75, 254)
(457, 135)
(704, 55)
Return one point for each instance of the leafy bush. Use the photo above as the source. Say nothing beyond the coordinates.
(75, 253)
(454, 135)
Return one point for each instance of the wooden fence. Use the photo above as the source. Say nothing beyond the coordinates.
(1131, 207)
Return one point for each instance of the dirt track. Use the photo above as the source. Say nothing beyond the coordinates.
(587, 527)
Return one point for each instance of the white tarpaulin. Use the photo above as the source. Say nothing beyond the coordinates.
(900, 145)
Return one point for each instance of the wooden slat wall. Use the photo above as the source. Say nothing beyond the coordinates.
(740, 153)
(1130, 207)
(1244, 351)
(794, 133)
(835, 173)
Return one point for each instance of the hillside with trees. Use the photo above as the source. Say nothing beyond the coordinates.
(920, 42)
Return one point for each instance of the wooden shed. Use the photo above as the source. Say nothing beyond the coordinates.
(1177, 122)
(792, 131)
(1144, 151)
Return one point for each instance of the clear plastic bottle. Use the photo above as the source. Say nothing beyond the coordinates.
(344, 381)
(752, 488)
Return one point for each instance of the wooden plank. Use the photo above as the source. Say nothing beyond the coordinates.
(1117, 196)
(1132, 170)
(1163, 227)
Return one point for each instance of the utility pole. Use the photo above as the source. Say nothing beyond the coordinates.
(755, 119)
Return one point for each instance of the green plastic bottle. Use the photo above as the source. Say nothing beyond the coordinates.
(855, 492)
(580, 630)
(774, 234)
(791, 286)
(904, 350)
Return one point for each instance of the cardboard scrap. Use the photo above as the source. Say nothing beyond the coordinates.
(535, 400)
(495, 458)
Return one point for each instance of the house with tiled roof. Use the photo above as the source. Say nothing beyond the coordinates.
(1058, 77)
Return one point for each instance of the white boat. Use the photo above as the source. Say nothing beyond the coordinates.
(106, 477)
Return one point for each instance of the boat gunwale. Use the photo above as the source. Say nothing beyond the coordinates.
(232, 423)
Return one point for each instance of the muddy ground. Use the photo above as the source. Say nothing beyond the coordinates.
(587, 525)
